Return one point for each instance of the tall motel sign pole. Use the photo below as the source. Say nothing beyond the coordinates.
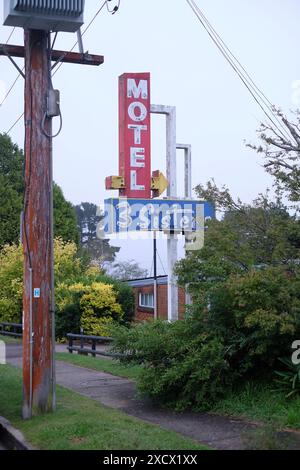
(136, 186)
(41, 105)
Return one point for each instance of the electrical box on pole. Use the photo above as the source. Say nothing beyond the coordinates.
(47, 15)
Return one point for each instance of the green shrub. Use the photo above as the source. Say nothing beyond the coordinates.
(124, 294)
(92, 307)
(69, 310)
(257, 314)
(236, 329)
(99, 309)
(182, 367)
(11, 284)
(288, 380)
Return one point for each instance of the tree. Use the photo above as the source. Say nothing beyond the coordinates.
(12, 196)
(281, 149)
(96, 249)
(94, 307)
(126, 270)
(248, 237)
(66, 266)
(10, 210)
(11, 284)
(65, 221)
(11, 190)
(11, 163)
(245, 286)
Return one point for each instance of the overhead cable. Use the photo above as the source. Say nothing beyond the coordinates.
(259, 97)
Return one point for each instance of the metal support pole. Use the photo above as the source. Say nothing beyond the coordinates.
(170, 112)
(187, 191)
(155, 276)
(187, 169)
(37, 230)
(80, 42)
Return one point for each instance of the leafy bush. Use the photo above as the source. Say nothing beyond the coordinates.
(11, 284)
(182, 366)
(99, 308)
(288, 381)
(92, 307)
(257, 314)
(124, 294)
(69, 309)
(66, 266)
(237, 328)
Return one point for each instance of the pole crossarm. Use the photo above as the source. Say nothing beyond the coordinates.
(61, 56)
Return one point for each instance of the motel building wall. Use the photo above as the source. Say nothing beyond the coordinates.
(143, 290)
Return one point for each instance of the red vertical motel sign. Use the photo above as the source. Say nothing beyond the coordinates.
(135, 135)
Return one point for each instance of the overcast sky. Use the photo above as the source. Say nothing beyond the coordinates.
(215, 113)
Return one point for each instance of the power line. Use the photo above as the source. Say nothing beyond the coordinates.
(161, 262)
(85, 30)
(11, 88)
(15, 123)
(249, 83)
(218, 42)
(151, 268)
(11, 33)
(263, 97)
(17, 78)
(253, 89)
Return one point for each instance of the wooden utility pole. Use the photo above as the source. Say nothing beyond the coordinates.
(37, 226)
(38, 364)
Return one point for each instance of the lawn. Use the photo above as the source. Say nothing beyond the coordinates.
(113, 367)
(257, 401)
(254, 401)
(83, 424)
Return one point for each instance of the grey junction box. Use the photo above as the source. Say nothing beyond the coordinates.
(49, 15)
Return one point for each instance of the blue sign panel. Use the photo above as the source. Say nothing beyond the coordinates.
(185, 215)
(37, 293)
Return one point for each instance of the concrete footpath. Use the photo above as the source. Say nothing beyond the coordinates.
(216, 431)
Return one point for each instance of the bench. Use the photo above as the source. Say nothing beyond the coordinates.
(94, 340)
(11, 329)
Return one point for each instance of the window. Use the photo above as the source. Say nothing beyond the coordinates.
(146, 300)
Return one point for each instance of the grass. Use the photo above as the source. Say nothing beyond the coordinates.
(113, 367)
(254, 401)
(83, 424)
(10, 340)
(259, 403)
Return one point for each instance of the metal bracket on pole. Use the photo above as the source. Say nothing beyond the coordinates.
(14, 62)
(170, 113)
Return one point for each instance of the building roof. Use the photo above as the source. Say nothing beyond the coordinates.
(147, 281)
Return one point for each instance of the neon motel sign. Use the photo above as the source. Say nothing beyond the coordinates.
(135, 135)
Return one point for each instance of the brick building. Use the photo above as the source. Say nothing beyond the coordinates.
(144, 298)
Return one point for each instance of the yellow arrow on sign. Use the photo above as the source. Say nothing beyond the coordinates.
(159, 183)
(114, 182)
